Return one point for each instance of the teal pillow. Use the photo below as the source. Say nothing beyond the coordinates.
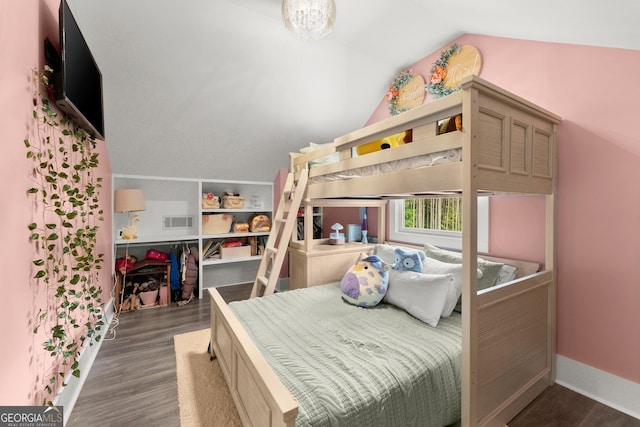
(490, 270)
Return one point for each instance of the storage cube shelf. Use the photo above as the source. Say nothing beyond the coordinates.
(180, 201)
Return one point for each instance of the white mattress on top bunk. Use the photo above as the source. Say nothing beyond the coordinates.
(422, 161)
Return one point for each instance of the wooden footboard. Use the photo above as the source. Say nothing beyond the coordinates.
(260, 397)
(515, 347)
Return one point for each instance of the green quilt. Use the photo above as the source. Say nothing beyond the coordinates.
(352, 366)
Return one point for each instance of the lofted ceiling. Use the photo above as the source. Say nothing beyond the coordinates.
(219, 89)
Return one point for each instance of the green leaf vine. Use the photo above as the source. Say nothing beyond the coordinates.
(66, 194)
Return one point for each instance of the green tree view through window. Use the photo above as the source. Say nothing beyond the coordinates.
(443, 213)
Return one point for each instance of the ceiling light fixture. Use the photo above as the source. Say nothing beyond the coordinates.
(309, 19)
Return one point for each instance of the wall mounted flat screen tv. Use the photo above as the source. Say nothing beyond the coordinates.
(78, 82)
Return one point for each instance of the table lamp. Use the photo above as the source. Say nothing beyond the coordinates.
(129, 200)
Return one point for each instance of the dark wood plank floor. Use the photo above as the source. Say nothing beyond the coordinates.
(133, 380)
(558, 406)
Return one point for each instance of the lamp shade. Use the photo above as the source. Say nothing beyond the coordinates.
(128, 200)
(309, 19)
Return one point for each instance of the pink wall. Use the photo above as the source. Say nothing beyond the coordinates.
(525, 217)
(23, 27)
(598, 197)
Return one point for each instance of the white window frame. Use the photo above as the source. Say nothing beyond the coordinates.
(445, 239)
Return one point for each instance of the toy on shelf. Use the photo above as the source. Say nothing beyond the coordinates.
(336, 238)
(131, 231)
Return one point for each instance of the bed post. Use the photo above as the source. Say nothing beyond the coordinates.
(550, 253)
(469, 257)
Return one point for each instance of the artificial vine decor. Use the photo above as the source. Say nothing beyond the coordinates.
(66, 192)
(436, 85)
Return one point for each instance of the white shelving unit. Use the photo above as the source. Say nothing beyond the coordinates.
(174, 213)
(258, 200)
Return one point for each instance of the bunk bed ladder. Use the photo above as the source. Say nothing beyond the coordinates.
(284, 223)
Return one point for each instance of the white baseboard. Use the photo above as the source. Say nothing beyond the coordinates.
(68, 395)
(615, 392)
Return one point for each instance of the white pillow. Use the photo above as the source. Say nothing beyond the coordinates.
(507, 274)
(433, 266)
(387, 252)
(490, 270)
(421, 295)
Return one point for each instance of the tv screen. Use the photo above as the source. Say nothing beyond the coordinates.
(78, 87)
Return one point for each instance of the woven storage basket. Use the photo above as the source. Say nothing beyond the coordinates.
(210, 201)
(216, 223)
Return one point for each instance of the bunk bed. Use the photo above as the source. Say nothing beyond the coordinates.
(506, 145)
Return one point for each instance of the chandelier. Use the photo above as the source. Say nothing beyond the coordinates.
(309, 19)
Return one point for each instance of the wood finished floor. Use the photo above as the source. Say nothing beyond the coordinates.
(133, 379)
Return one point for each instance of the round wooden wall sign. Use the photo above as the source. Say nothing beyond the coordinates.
(466, 62)
(406, 92)
(412, 94)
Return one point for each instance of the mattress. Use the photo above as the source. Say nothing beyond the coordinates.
(352, 366)
(422, 161)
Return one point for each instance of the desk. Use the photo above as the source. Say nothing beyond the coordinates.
(323, 264)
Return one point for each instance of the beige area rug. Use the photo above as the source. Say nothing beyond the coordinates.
(203, 394)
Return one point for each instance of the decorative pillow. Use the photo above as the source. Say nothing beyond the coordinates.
(408, 260)
(433, 266)
(507, 274)
(388, 253)
(490, 270)
(421, 295)
(365, 283)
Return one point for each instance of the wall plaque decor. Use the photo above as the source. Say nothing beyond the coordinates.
(454, 64)
(406, 92)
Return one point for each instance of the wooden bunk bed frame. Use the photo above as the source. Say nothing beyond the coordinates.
(508, 350)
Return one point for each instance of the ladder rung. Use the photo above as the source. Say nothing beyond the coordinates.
(271, 251)
(277, 244)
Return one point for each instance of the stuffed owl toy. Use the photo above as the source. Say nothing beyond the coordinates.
(365, 283)
(408, 260)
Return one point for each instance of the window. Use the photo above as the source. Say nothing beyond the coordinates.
(437, 221)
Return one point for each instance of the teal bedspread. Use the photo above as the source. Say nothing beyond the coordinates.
(351, 366)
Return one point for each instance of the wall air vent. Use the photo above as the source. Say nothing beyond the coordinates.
(173, 222)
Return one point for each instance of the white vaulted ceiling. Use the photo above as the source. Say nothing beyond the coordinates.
(219, 89)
